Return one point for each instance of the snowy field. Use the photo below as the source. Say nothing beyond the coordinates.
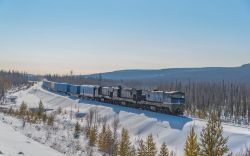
(13, 143)
(140, 123)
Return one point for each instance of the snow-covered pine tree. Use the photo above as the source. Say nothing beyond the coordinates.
(92, 136)
(101, 138)
(141, 150)
(51, 119)
(192, 147)
(108, 141)
(23, 109)
(133, 151)
(10, 111)
(164, 150)
(124, 143)
(212, 141)
(150, 146)
(77, 130)
(59, 110)
(44, 117)
(40, 110)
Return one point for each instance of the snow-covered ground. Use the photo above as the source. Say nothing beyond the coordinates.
(140, 123)
(13, 143)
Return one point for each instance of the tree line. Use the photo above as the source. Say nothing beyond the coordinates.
(231, 100)
(10, 79)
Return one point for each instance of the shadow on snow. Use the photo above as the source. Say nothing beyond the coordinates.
(175, 122)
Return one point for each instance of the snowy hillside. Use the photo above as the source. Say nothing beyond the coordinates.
(165, 128)
(13, 143)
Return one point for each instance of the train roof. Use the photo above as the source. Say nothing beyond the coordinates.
(89, 86)
(174, 92)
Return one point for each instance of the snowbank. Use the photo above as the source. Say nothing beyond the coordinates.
(140, 123)
(13, 143)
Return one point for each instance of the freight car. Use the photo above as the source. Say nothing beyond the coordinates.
(62, 88)
(46, 84)
(158, 101)
(74, 89)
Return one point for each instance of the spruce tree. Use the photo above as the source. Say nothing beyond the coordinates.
(23, 109)
(50, 120)
(59, 110)
(77, 130)
(10, 111)
(108, 141)
(101, 139)
(92, 135)
(191, 147)
(44, 117)
(150, 146)
(164, 150)
(132, 151)
(124, 144)
(141, 150)
(40, 110)
(212, 141)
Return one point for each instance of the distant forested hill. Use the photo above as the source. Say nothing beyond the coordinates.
(236, 74)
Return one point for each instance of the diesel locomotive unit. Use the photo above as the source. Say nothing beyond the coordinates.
(159, 101)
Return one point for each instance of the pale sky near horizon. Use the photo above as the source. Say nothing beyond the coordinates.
(56, 36)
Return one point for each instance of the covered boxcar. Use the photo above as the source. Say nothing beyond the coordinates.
(62, 87)
(74, 89)
(46, 85)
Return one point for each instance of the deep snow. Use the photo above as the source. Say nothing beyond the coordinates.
(140, 123)
(13, 142)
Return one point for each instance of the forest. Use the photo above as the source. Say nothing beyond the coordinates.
(11, 79)
(231, 100)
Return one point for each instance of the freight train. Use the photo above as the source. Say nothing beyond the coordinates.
(158, 101)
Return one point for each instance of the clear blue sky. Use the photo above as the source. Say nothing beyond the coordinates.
(88, 36)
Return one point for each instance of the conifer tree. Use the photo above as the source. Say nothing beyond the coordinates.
(77, 130)
(23, 109)
(51, 119)
(59, 110)
(40, 110)
(105, 140)
(212, 141)
(124, 144)
(92, 136)
(132, 151)
(10, 111)
(150, 146)
(101, 139)
(164, 150)
(44, 117)
(108, 141)
(191, 147)
(141, 150)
